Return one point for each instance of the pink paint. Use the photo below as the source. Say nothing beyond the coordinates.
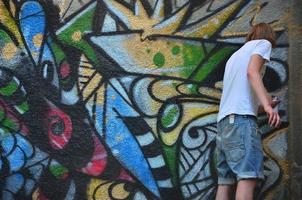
(98, 162)
(57, 116)
(125, 176)
(65, 70)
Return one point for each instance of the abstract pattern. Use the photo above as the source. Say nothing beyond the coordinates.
(118, 99)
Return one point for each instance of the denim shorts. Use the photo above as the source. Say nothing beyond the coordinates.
(239, 150)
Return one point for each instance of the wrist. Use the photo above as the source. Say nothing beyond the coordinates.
(267, 107)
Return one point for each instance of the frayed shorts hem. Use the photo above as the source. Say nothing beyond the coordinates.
(231, 181)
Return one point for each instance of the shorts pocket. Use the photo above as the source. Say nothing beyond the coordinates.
(234, 143)
(234, 155)
(233, 139)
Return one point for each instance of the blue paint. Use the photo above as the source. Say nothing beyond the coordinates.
(29, 186)
(122, 143)
(32, 22)
(17, 150)
(99, 111)
(7, 195)
(16, 160)
(7, 143)
(24, 145)
(14, 182)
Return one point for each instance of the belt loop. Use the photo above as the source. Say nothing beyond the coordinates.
(231, 118)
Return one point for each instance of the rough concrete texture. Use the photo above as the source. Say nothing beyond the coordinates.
(118, 99)
(295, 83)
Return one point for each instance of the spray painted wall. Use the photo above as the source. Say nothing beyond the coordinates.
(117, 99)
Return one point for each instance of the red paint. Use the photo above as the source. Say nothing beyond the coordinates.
(98, 162)
(65, 70)
(41, 196)
(10, 113)
(125, 176)
(55, 116)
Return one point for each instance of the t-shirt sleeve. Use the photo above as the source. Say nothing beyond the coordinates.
(263, 48)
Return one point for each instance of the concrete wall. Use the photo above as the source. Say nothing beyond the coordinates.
(295, 97)
(117, 99)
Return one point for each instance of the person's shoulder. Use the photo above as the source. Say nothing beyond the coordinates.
(262, 42)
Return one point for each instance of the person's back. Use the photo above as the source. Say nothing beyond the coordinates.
(238, 96)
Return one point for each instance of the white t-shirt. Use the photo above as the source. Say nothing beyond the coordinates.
(238, 96)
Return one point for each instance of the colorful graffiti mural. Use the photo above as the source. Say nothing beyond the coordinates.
(116, 99)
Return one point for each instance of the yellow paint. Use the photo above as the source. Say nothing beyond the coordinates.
(141, 12)
(161, 10)
(150, 25)
(9, 51)
(214, 23)
(252, 14)
(210, 92)
(219, 85)
(12, 8)
(99, 190)
(35, 194)
(76, 36)
(119, 192)
(87, 70)
(34, 54)
(101, 93)
(9, 22)
(190, 111)
(92, 85)
(144, 59)
(63, 6)
(185, 88)
(165, 89)
(169, 28)
(37, 40)
(284, 165)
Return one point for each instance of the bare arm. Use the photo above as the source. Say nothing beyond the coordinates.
(255, 79)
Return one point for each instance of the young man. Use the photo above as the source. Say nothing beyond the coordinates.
(238, 142)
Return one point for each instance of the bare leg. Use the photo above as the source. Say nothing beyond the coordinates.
(245, 189)
(224, 192)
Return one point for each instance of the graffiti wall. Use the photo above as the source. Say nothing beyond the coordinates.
(117, 99)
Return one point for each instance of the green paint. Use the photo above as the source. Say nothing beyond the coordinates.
(159, 59)
(10, 124)
(170, 158)
(213, 62)
(2, 115)
(209, 46)
(193, 89)
(82, 23)
(174, 85)
(9, 89)
(175, 50)
(192, 56)
(58, 53)
(23, 107)
(4, 38)
(58, 170)
(170, 116)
